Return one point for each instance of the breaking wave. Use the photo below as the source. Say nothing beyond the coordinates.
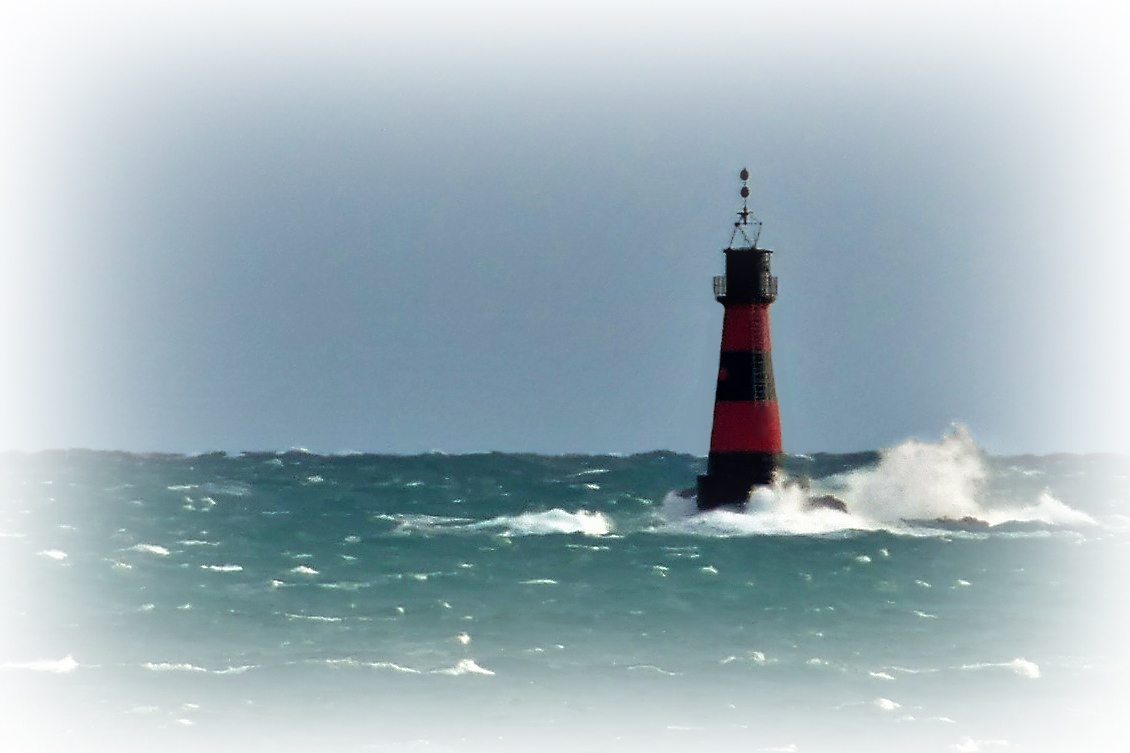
(917, 488)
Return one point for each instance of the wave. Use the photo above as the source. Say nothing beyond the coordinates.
(916, 488)
(539, 523)
(550, 522)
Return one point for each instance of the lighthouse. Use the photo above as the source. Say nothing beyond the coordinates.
(745, 442)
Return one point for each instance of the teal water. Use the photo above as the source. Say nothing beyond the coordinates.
(290, 601)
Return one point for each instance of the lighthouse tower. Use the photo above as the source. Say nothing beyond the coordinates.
(745, 443)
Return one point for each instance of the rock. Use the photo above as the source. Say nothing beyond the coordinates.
(827, 502)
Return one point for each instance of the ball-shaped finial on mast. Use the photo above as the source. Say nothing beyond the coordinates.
(744, 215)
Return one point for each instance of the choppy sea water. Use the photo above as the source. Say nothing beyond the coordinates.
(497, 602)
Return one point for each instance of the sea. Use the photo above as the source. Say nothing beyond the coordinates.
(291, 601)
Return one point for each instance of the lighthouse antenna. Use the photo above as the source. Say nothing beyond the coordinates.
(744, 217)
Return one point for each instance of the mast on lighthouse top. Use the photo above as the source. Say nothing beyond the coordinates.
(744, 218)
(748, 278)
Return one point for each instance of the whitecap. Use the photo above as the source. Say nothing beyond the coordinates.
(393, 667)
(313, 617)
(222, 568)
(464, 667)
(382, 665)
(156, 549)
(539, 582)
(172, 667)
(62, 666)
(55, 554)
(304, 570)
(1020, 666)
(555, 521)
(651, 668)
(1025, 668)
(886, 704)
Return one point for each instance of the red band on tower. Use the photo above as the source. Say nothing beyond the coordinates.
(746, 327)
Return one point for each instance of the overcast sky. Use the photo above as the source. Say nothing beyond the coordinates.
(399, 227)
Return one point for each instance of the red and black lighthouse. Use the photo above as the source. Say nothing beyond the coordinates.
(745, 443)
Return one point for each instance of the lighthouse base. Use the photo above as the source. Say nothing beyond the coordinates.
(730, 477)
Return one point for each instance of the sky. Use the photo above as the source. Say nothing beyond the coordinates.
(475, 226)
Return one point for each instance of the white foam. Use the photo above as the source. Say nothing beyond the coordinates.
(392, 666)
(555, 521)
(172, 667)
(304, 570)
(55, 554)
(1020, 666)
(464, 667)
(222, 568)
(160, 551)
(62, 666)
(780, 509)
(382, 665)
(914, 485)
(1025, 668)
(539, 582)
(1047, 510)
(651, 668)
(886, 704)
(313, 617)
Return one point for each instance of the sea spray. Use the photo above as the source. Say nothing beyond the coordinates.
(914, 487)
